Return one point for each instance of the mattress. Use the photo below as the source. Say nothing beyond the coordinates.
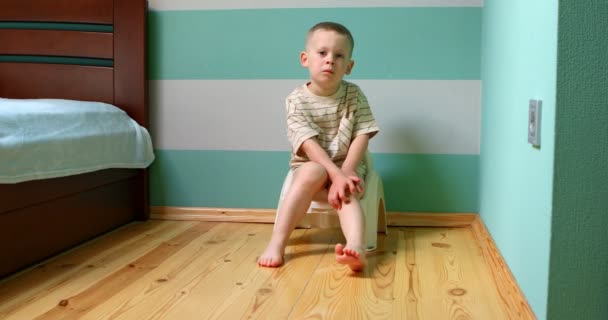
(49, 138)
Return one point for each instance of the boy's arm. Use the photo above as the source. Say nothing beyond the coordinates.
(355, 154)
(315, 153)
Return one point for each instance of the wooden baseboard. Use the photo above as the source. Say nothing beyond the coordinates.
(429, 219)
(508, 289)
(213, 214)
(394, 219)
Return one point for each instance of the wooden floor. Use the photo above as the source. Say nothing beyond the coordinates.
(206, 270)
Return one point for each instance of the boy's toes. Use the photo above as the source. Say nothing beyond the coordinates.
(352, 252)
(270, 262)
(339, 249)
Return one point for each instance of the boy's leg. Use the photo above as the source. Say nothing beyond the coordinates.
(352, 222)
(308, 179)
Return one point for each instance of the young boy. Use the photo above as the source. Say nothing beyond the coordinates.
(329, 123)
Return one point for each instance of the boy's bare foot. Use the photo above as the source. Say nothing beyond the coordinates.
(271, 257)
(355, 259)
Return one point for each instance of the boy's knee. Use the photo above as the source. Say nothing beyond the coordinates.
(311, 173)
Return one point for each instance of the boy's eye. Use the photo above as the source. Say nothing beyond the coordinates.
(322, 53)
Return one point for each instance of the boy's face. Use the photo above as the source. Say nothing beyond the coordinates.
(328, 59)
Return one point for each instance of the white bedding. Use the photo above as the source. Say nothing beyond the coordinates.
(48, 138)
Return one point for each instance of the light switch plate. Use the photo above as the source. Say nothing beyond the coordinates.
(534, 112)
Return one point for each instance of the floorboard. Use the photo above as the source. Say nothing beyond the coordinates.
(207, 270)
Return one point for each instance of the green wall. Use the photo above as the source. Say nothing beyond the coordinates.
(519, 40)
(547, 207)
(578, 278)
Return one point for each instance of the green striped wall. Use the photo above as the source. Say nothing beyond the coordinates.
(403, 43)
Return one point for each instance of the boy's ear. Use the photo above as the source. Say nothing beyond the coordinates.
(350, 66)
(304, 59)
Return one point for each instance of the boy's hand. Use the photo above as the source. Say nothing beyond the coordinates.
(356, 180)
(342, 187)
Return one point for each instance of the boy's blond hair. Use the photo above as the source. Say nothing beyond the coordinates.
(332, 26)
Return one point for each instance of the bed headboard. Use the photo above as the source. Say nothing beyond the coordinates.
(74, 62)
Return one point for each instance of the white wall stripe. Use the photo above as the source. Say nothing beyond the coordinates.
(415, 116)
(274, 4)
(426, 116)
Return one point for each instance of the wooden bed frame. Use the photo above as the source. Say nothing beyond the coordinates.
(41, 218)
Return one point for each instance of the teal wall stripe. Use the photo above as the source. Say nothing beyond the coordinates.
(429, 182)
(253, 179)
(226, 179)
(391, 43)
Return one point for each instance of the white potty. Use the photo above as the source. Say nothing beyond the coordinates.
(322, 215)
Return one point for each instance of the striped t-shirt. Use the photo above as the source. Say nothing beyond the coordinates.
(334, 121)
